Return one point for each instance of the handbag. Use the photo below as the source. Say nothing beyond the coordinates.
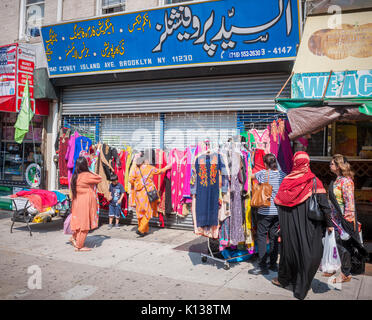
(66, 225)
(314, 212)
(153, 194)
(261, 194)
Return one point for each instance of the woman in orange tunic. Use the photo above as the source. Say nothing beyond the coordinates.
(84, 203)
(140, 174)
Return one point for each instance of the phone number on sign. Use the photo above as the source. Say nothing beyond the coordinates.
(260, 52)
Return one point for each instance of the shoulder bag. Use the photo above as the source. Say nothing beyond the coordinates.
(261, 194)
(153, 194)
(314, 212)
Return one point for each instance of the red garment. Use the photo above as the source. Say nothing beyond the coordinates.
(258, 161)
(297, 186)
(35, 200)
(119, 169)
(62, 163)
(48, 198)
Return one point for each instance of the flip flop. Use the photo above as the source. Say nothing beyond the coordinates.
(83, 249)
(277, 283)
(73, 242)
(327, 274)
(344, 279)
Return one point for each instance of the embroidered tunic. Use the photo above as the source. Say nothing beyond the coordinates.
(208, 169)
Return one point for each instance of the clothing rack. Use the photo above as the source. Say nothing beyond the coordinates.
(211, 255)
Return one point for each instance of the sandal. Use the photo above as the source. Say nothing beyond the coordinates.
(83, 249)
(327, 274)
(277, 283)
(73, 242)
(342, 280)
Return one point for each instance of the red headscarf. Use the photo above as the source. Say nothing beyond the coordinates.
(297, 186)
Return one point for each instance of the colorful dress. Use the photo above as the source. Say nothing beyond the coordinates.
(262, 141)
(144, 209)
(208, 168)
(177, 173)
(69, 157)
(62, 163)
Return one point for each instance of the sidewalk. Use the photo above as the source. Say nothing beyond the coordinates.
(166, 264)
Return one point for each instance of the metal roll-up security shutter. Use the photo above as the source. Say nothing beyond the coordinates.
(185, 129)
(254, 92)
(138, 131)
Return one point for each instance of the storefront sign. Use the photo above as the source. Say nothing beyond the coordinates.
(336, 42)
(205, 33)
(346, 84)
(17, 63)
(8, 62)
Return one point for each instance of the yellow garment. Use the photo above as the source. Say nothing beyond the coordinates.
(127, 169)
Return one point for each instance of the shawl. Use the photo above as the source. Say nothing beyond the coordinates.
(297, 186)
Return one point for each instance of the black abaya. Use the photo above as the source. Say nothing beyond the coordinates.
(301, 245)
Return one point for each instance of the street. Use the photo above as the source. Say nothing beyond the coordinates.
(165, 265)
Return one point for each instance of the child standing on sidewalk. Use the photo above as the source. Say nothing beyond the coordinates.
(117, 194)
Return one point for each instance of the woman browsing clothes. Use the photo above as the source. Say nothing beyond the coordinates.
(142, 180)
(267, 217)
(301, 247)
(341, 196)
(84, 203)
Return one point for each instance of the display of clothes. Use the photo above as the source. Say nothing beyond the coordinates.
(211, 184)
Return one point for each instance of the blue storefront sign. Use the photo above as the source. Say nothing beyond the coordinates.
(344, 84)
(195, 34)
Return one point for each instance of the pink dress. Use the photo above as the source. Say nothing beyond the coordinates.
(70, 156)
(263, 140)
(177, 177)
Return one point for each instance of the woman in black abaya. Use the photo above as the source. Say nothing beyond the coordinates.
(301, 238)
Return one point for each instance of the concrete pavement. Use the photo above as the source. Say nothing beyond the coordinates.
(165, 265)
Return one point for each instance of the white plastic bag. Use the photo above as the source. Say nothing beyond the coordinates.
(331, 259)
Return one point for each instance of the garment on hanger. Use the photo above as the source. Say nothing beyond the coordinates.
(236, 221)
(285, 154)
(64, 137)
(186, 193)
(258, 161)
(160, 163)
(274, 138)
(177, 174)
(208, 168)
(262, 139)
(102, 163)
(128, 164)
(69, 157)
(81, 144)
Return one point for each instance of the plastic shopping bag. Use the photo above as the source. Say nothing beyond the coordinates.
(331, 260)
(66, 225)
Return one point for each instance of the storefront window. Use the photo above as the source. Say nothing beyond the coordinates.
(16, 158)
(34, 17)
(112, 6)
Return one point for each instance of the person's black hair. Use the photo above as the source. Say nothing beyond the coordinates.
(113, 177)
(270, 160)
(80, 166)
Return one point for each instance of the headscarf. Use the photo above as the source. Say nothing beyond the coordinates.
(297, 186)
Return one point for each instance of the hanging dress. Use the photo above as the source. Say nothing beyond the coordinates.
(262, 141)
(208, 168)
(62, 150)
(178, 167)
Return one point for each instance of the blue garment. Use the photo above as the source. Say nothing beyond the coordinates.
(276, 178)
(208, 168)
(114, 210)
(60, 196)
(81, 143)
